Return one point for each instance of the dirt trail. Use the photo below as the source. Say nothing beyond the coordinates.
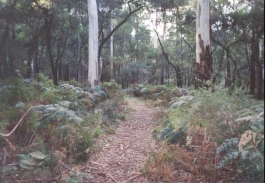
(122, 158)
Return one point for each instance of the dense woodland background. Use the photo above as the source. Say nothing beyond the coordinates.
(50, 116)
(50, 37)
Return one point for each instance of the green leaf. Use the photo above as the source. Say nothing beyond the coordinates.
(26, 167)
(27, 162)
(244, 154)
(38, 155)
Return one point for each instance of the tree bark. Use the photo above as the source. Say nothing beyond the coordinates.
(254, 53)
(203, 46)
(93, 43)
(260, 82)
(228, 80)
(111, 50)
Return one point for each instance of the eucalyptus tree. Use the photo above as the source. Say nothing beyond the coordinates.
(203, 43)
(233, 40)
(93, 43)
(55, 31)
(226, 37)
(172, 14)
(12, 38)
(120, 12)
(131, 45)
(257, 31)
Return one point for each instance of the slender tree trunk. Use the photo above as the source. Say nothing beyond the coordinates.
(3, 53)
(228, 71)
(6, 44)
(111, 51)
(38, 59)
(93, 43)
(254, 59)
(203, 44)
(48, 26)
(162, 79)
(254, 53)
(80, 65)
(260, 81)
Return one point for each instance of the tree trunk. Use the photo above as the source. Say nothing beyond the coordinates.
(93, 43)
(260, 82)
(162, 79)
(254, 54)
(4, 72)
(111, 51)
(203, 45)
(48, 26)
(228, 71)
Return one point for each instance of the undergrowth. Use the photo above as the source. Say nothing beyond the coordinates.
(223, 131)
(60, 128)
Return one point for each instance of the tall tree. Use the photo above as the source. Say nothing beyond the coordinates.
(93, 43)
(111, 51)
(203, 44)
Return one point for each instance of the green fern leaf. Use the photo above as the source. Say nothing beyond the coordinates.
(244, 154)
(27, 162)
(26, 167)
(228, 159)
(228, 145)
(23, 156)
(38, 155)
(246, 118)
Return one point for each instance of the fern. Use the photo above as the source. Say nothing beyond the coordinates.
(45, 81)
(229, 145)
(31, 160)
(228, 159)
(3, 125)
(248, 151)
(38, 155)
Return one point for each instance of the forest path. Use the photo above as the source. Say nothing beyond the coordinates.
(121, 159)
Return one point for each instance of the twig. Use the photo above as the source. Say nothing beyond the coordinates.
(112, 177)
(47, 179)
(228, 169)
(132, 178)
(98, 163)
(66, 167)
(101, 173)
(4, 156)
(10, 145)
(21, 119)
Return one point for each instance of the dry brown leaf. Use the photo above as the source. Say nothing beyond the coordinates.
(248, 136)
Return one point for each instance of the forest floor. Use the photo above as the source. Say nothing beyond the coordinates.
(121, 157)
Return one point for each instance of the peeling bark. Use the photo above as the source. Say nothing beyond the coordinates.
(203, 65)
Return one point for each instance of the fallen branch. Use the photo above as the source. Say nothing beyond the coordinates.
(134, 177)
(101, 173)
(13, 148)
(66, 167)
(40, 180)
(20, 121)
(111, 177)
(98, 163)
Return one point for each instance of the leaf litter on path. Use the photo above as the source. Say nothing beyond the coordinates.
(123, 157)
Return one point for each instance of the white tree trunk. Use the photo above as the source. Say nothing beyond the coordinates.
(93, 43)
(203, 43)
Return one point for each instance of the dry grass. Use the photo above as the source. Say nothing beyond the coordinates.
(175, 163)
(160, 166)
